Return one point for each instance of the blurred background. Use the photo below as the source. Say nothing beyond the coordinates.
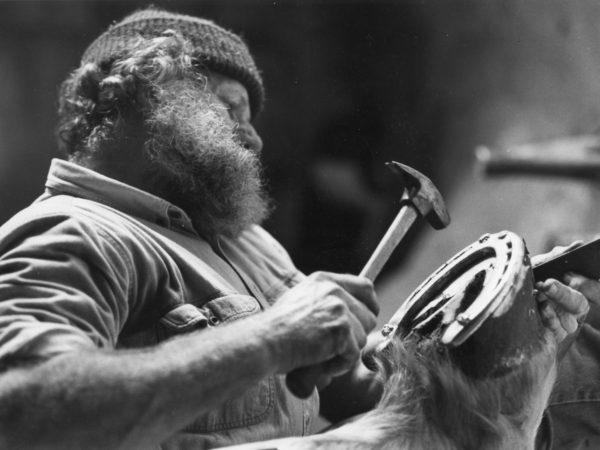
(350, 85)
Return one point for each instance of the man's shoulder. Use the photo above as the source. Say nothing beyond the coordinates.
(66, 206)
(70, 212)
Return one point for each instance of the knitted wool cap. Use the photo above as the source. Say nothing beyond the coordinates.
(220, 50)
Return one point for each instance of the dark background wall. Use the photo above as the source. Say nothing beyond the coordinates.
(352, 84)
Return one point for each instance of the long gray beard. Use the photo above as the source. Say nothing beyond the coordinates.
(197, 164)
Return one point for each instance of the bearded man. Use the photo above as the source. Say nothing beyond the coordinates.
(141, 303)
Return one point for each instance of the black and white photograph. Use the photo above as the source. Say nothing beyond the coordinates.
(299, 224)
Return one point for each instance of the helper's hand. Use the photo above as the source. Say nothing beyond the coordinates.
(324, 320)
(563, 306)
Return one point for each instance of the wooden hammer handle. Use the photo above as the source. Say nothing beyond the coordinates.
(394, 234)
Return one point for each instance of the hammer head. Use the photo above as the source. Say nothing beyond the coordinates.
(423, 195)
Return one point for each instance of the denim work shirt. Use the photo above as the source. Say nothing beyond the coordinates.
(95, 263)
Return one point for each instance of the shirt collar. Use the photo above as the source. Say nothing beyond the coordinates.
(72, 179)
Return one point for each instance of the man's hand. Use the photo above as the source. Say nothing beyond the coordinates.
(323, 320)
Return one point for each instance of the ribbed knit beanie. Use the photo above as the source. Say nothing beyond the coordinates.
(219, 50)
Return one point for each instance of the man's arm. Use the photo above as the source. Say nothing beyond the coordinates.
(132, 398)
(136, 398)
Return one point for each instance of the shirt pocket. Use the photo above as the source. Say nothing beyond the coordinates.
(181, 319)
(258, 401)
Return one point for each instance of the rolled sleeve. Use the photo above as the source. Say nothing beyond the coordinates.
(63, 287)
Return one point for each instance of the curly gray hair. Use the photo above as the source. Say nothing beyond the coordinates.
(96, 100)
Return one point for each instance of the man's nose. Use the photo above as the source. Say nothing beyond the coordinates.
(249, 138)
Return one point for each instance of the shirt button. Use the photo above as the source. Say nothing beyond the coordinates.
(214, 320)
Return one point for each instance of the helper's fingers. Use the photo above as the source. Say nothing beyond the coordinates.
(569, 322)
(549, 316)
(569, 299)
(588, 287)
(551, 321)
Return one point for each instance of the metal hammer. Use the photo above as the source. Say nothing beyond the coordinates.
(420, 198)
